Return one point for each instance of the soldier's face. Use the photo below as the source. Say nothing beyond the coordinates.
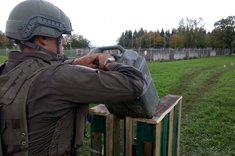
(52, 44)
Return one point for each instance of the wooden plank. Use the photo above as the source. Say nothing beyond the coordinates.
(175, 130)
(109, 135)
(166, 104)
(96, 143)
(98, 128)
(164, 135)
(179, 126)
(170, 140)
(158, 140)
(128, 136)
(148, 148)
(116, 136)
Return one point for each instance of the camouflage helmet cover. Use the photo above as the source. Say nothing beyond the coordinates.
(36, 17)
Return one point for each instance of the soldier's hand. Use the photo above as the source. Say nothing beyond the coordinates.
(88, 61)
(104, 60)
(100, 61)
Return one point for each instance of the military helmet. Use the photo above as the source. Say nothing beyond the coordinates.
(36, 17)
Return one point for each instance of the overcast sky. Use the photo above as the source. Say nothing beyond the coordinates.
(103, 21)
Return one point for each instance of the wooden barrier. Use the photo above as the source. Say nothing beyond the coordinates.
(112, 135)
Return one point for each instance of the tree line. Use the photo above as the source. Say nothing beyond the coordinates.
(189, 34)
(73, 41)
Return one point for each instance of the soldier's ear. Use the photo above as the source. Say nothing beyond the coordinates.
(41, 40)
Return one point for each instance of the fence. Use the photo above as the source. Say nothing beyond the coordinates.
(155, 54)
(177, 54)
(159, 136)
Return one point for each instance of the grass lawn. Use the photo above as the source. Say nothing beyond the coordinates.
(208, 114)
(2, 59)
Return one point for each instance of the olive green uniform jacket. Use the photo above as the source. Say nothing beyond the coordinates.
(62, 88)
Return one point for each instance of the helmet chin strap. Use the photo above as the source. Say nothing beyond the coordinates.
(57, 56)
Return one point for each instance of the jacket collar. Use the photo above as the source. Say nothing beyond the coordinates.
(19, 56)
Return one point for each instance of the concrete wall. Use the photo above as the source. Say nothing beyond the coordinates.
(155, 54)
(178, 54)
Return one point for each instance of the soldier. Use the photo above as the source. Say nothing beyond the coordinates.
(44, 97)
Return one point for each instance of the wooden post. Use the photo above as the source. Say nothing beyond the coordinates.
(179, 127)
(170, 140)
(148, 146)
(128, 137)
(116, 136)
(109, 135)
(158, 140)
(105, 127)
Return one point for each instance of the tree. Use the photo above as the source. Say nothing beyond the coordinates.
(4, 41)
(77, 41)
(140, 39)
(126, 39)
(157, 40)
(224, 32)
(193, 32)
(167, 36)
(177, 41)
(215, 39)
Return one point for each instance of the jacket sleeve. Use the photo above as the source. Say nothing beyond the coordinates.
(79, 84)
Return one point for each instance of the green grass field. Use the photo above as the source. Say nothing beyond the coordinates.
(2, 58)
(208, 114)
